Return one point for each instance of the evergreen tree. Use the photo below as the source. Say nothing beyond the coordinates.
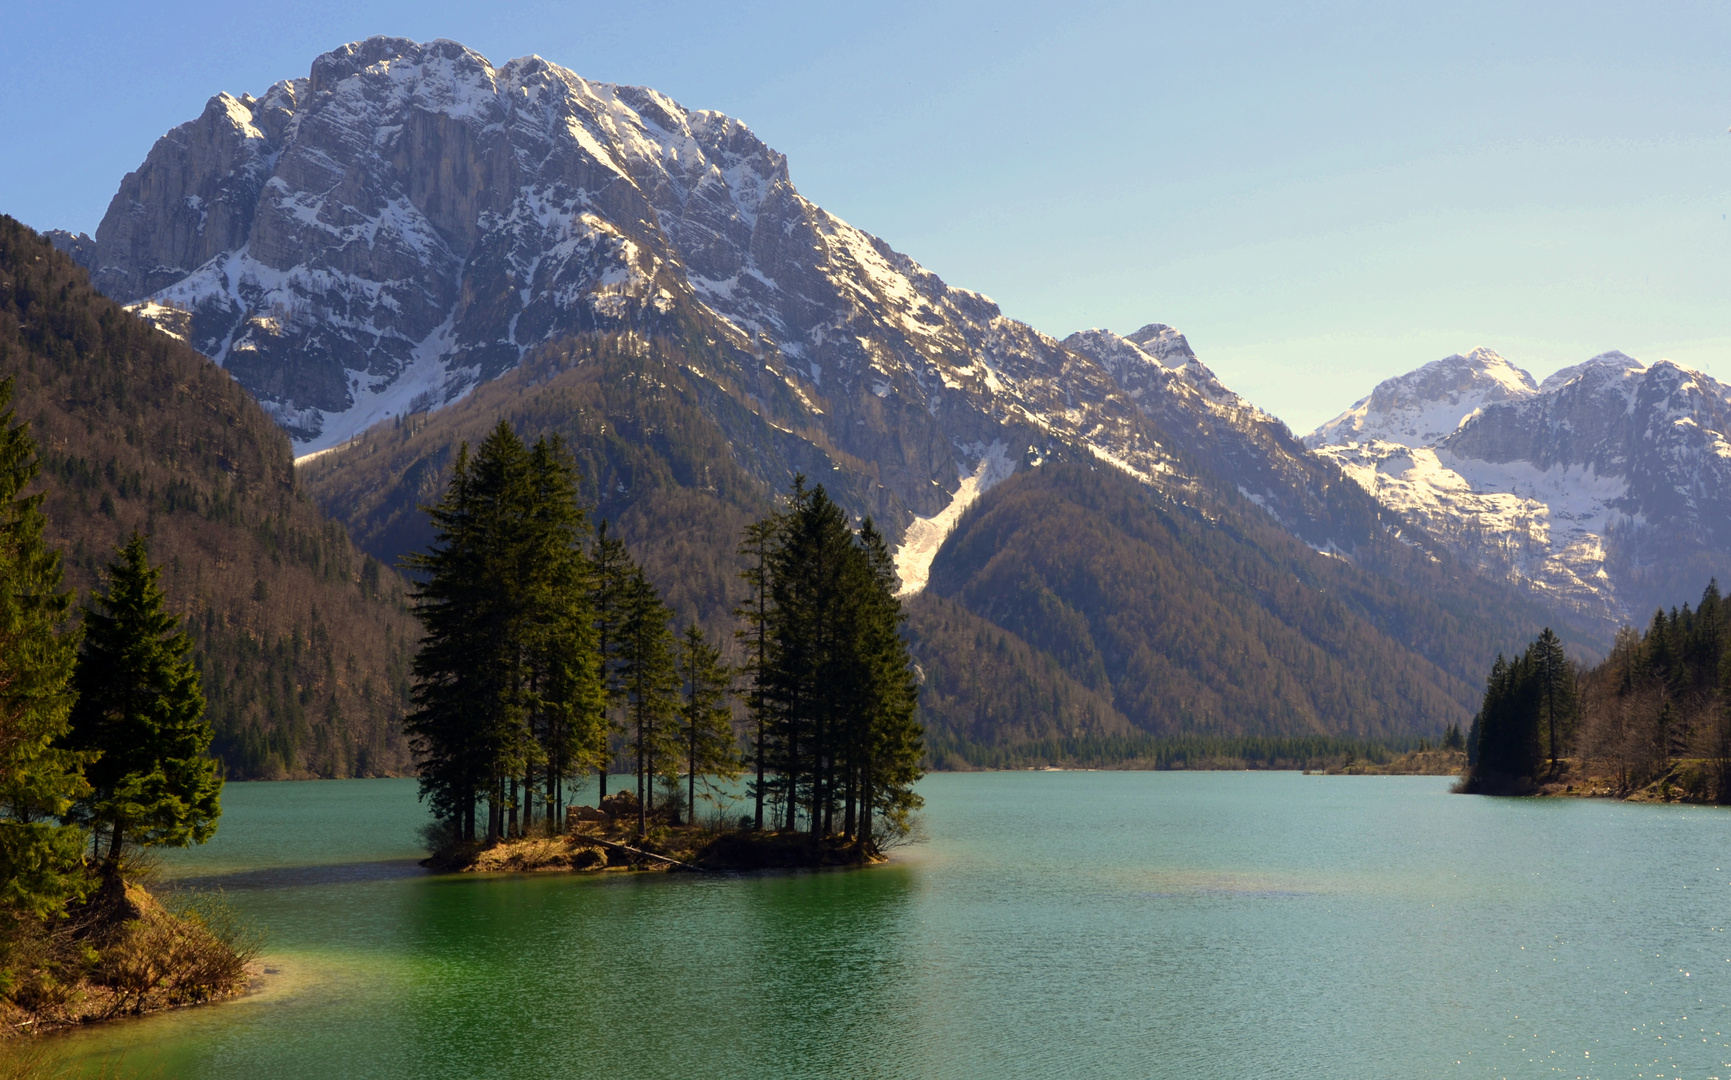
(1509, 745)
(141, 709)
(450, 689)
(706, 722)
(651, 688)
(756, 549)
(506, 681)
(40, 858)
(838, 695)
(610, 571)
(567, 714)
(892, 739)
(1556, 691)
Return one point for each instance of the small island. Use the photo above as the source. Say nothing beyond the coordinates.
(548, 656)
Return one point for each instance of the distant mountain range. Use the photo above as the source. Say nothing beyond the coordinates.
(396, 250)
(1606, 488)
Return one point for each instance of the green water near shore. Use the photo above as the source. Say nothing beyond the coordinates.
(1056, 925)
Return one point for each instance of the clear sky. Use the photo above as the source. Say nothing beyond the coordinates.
(1320, 195)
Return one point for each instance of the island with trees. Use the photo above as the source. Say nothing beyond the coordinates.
(548, 655)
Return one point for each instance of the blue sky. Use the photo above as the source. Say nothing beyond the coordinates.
(1320, 196)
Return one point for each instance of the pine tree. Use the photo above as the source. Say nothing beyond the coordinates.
(449, 688)
(1556, 691)
(40, 858)
(893, 740)
(651, 688)
(757, 549)
(838, 696)
(506, 680)
(141, 708)
(567, 706)
(610, 570)
(706, 722)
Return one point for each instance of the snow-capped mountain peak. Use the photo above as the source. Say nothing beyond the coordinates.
(1607, 488)
(1613, 364)
(1423, 406)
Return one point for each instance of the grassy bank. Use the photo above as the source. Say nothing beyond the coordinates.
(121, 953)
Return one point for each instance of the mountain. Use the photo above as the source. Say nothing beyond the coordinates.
(1606, 489)
(1422, 407)
(409, 243)
(303, 641)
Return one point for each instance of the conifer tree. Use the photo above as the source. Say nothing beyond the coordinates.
(506, 679)
(567, 708)
(651, 687)
(706, 722)
(40, 858)
(893, 739)
(1556, 691)
(610, 571)
(449, 690)
(141, 708)
(756, 549)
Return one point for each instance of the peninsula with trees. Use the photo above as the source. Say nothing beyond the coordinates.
(1652, 721)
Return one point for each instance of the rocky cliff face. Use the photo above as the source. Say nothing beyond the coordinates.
(409, 221)
(1607, 488)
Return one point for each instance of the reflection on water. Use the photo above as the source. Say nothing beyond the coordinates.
(1059, 925)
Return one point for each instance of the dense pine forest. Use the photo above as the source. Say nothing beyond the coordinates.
(547, 653)
(303, 642)
(1653, 718)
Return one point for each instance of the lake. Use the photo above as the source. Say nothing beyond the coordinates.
(1056, 924)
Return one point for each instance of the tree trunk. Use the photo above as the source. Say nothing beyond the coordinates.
(511, 810)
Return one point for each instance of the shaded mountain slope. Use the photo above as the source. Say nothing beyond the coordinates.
(984, 689)
(1206, 618)
(303, 643)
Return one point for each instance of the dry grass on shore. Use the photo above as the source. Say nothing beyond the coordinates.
(122, 954)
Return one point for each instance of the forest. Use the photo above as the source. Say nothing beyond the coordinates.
(1652, 720)
(302, 640)
(547, 653)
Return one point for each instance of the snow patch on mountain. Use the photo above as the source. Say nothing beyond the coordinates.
(920, 544)
(1594, 488)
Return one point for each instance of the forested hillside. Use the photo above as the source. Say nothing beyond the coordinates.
(303, 641)
(1205, 617)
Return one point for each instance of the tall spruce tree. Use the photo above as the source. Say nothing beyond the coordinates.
(756, 550)
(836, 680)
(1556, 691)
(40, 858)
(651, 688)
(567, 707)
(893, 739)
(450, 690)
(705, 721)
(610, 571)
(506, 681)
(1509, 746)
(141, 709)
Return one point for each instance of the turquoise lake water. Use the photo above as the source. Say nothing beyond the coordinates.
(1062, 924)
